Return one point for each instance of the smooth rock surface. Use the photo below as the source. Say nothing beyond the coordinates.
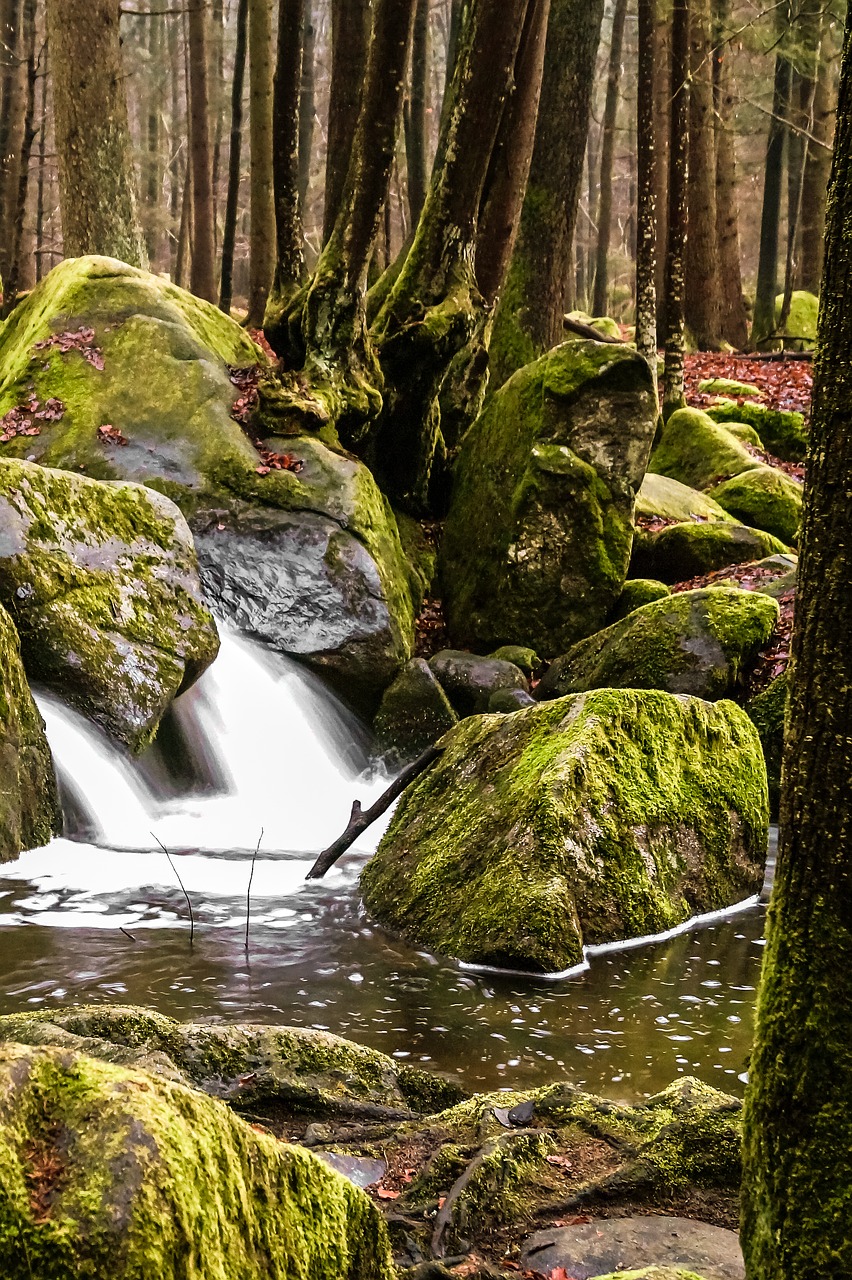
(595, 1249)
(470, 681)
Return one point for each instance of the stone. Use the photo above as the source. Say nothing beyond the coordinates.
(768, 711)
(527, 659)
(663, 498)
(616, 814)
(537, 542)
(698, 451)
(803, 319)
(101, 580)
(638, 591)
(149, 397)
(469, 680)
(672, 1246)
(729, 387)
(415, 712)
(29, 804)
(680, 552)
(782, 432)
(765, 498)
(693, 642)
(114, 1172)
(506, 701)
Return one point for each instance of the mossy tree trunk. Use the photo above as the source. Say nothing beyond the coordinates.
(350, 30)
(17, 266)
(702, 296)
(646, 188)
(262, 241)
(673, 390)
(289, 265)
(229, 233)
(734, 321)
(416, 114)
(600, 301)
(763, 326)
(797, 1188)
(96, 180)
(202, 278)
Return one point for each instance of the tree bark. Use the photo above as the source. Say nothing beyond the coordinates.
(152, 167)
(229, 233)
(262, 243)
(289, 267)
(350, 29)
(96, 179)
(203, 272)
(734, 321)
(416, 117)
(600, 302)
(646, 187)
(307, 108)
(673, 389)
(15, 98)
(702, 303)
(16, 268)
(816, 86)
(798, 1122)
(767, 269)
(42, 152)
(662, 124)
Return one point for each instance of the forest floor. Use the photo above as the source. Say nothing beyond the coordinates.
(786, 383)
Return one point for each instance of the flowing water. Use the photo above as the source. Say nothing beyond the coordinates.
(260, 745)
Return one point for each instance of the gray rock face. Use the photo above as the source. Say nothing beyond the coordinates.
(415, 712)
(470, 681)
(599, 1248)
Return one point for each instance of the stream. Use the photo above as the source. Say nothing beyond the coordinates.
(259, 744)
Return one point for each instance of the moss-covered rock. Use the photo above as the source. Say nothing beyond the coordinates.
(538, 538)
(107, 1171)
(605, 325)
(729, 387)
(765, 498)
(415, 712)
(519, 655)
(101, 580)
(307, 559)
(470, 681)
(29, 806)
(803, 320)
(699, 451)
(652, 1273)
(681, 552)
(638, 591)
(662, 498)
(768, 711)
(694, 642)
(610, 815)
(782, 431)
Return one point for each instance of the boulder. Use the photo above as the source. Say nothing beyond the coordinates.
(765, 498)
(527, 659)
(782, 431)
(729, 387)
(29, 804)
(802, 323)
(504, 701)
(415, 712)
(469, 680)
(662, 498)
(101, 580)
(768, 711)
(125, 376)
(690, 550)
(610, 815)
(638, 591)
(114, 1172)
(695, 642)
(699, 451)
(538, 538)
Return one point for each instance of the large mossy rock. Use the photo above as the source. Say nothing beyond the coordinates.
(800, 330)
(662, 498)
(538, 539)
(694, 642)
(101, 580)
(781, 431)
(113, 1172)
(309, 560)
(765, 498)
(698, 451)
(29, 805)
(611, 815)
(415, 711)
(768, 711)
(680, 552)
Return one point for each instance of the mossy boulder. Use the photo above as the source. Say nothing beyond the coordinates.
(768, 711)
(693, 642)
(611, 815)
(605, 325)
(765, 498)
(29, 805)
(638, 591)
(538, 537)
(699, 451)
(113, 1172)
(307, 559)
(662, 498)
(101, 580)
(652, 1273)
(729, 387)
(519, 655)
(415, 712)
(801, 327)
(469, 680)
(689, 550)
(782, 431)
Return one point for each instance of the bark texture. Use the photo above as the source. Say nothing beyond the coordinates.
(262, 241)
(770, 225)
(673, 390)
(350, 28)
(285, 154)
(702, 301)
(416, 117)
(229, 233)
(733, 318)
(613, 86)
(202, 279)
(646, 189)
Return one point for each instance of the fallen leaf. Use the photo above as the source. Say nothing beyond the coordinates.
(384, 1193)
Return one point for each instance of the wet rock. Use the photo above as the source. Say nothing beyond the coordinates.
(108, 1171)
(470, 681)
(538, 538)
(768, 712)
(527, 659)
(505, 701)
(359, 1170)
(415, 712)
(681, 552)
(696, 642)
(610, 815)
(678, 1246)
(29, 805)
(102, 583)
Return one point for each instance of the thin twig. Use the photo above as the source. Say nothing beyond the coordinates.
(248, 891)
(126, 933)
(183, 887)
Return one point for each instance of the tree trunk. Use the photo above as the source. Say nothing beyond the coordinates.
(176, 131)
(734, 321)
(529, 316)
(673, 389)
(416, 115)
(646, 187)
(600, 302)
(28, 44)
(96, 179)
(702, 305)
(262, 246)
(42, 151)
(817, 89)
(350, 30)
(307, 108)
(229, 234)
(13, 129)
(798, 1122)
(662, 124)
(289, 266)
(152, 146)
(767, 269)
(203, 273)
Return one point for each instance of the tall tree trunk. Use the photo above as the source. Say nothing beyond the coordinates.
(177, 72)
(702, 300)
(798, 1122)
(662, 124)
(184, 240)
(153, 180)
(416, 114)
(28, 44)
(229, 234)
(203, 273)
(42, 153)
(613, 88)
(734, 321)
(217, 104)
(816, 89)
(307, 107)
(262, 246)
(96, 180)
(646, 211)
(767, 268)
(532, 305)
(673, 389)
(10, 160)
(350, 30)
(289, 265)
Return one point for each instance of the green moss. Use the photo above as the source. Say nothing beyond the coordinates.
(765, 498)
(415, 712)
(605, 816)
(681, 552)
(803, 320)
(527, 659)
(768, 711)
(698, 451)
(638, 591)
(106, 1171)
(652, 1273)
(781, 431)
(729, 387)
(668, 499)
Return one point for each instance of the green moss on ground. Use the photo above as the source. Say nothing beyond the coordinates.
(782, 432)
(764, 498)
(729, 387)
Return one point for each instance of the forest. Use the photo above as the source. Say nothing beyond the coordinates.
(425, 639)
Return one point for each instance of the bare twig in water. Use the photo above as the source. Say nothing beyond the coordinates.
(127, 933)
(360, 819)
(183, 887)
(248, 891)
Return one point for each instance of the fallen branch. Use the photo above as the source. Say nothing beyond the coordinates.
(588, 331)
(360, 819)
